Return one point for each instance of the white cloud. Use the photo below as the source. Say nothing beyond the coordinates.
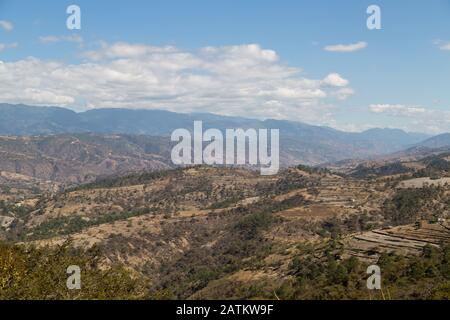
(443, 45)
(346, 47)
(335, 80)
(126, 50)
(396, 109)
(53, 39)
(241, 80)
(6, 25)
(4, 46)
(415, 118)
(343, 93)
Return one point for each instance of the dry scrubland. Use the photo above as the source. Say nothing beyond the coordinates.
(207, 232)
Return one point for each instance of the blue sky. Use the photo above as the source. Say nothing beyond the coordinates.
(266, 59)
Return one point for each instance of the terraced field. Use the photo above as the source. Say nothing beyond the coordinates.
(406, 240)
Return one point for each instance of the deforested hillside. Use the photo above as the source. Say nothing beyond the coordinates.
(78, 158)
(205, 232)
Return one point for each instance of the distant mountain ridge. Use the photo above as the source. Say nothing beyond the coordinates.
(439, 141)
(432, 146)
(300, 142)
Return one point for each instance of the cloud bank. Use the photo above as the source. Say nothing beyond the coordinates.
(419, 118)
(241, 80)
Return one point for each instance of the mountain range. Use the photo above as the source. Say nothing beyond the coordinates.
(300, 143)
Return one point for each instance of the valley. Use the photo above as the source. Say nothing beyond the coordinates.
(215, 232)
(116, 204)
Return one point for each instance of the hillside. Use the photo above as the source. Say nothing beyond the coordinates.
(212, 233)
(78, 158)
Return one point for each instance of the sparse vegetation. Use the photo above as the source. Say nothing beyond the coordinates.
(408, 205)
(203, 232)
(421, 277)
(27, 273)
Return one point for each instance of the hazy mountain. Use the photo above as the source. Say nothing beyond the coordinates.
(439, 144)
(442, 140)
(300, 143)
(392, 136)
